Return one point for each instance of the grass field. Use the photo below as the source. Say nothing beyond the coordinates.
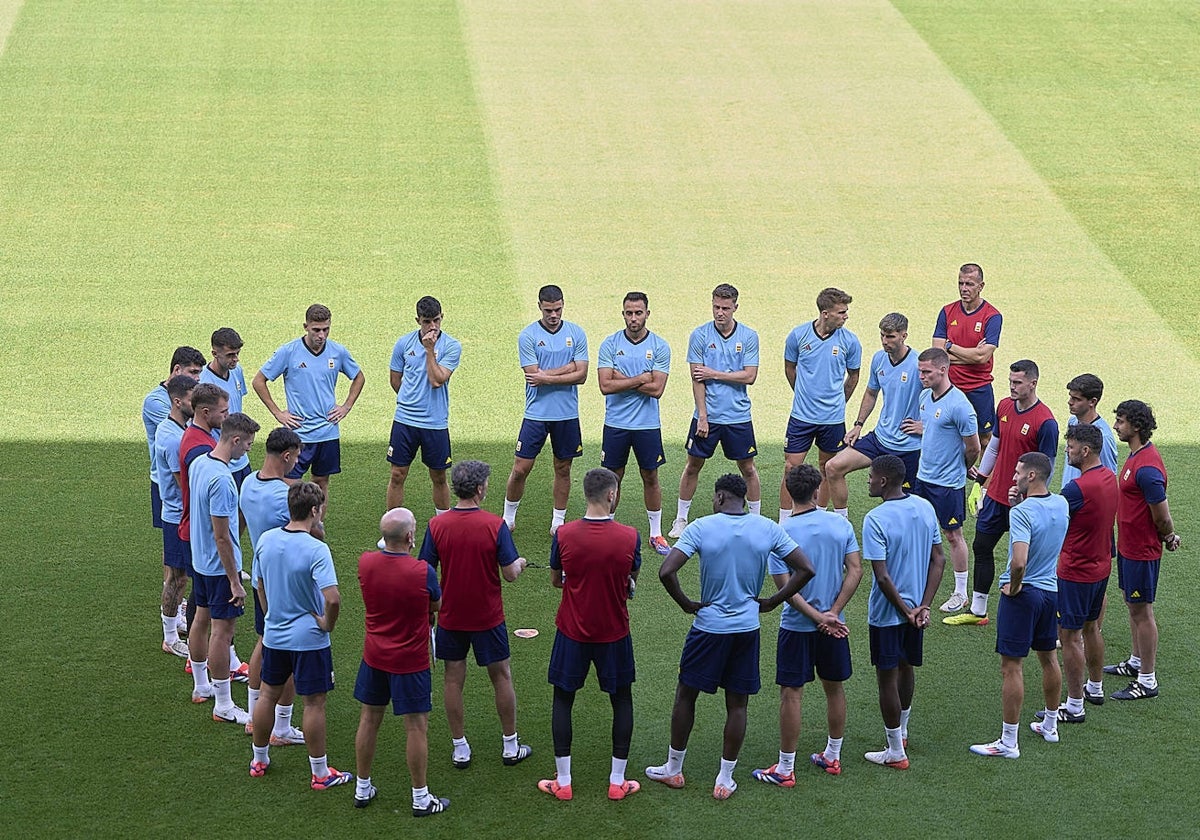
(170, 167)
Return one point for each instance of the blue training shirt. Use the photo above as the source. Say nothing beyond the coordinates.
(164, 465)
(821, 364)
(235, 388)
(211, 492)
(725, 402)
(309, 384)
(155, 408)
(632, 409)
(418, 403)
(536, 345)
(1108, 450)
(900, 384)
(1041, 523)
(733, 549)
(264, 506)
(826, 539)
(945, 420)
(293, 567)
(901, 533)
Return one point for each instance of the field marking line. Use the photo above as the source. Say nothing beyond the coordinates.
(9, 9)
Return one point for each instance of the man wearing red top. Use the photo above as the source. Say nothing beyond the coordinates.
(595, 562)
(400, 597)
(210, 407)
(1143, 527)
(969, 331)
(1024, 424)
(474, 548)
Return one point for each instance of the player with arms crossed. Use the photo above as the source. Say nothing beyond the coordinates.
(554, 358)
(723, 360)
(632, 368)
(812, 631)
(894, 374)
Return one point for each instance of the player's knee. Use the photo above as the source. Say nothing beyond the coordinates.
(650, 479)
(437, 477)
(399, 476)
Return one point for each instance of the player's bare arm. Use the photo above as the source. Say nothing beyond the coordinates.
(336, 413)
(284, 418)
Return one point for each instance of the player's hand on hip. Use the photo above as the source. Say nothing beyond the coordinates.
(288, 419)
(337, 413)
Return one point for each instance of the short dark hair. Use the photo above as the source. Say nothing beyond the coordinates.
(1087, 384)
(891, 468)
(239, 424)
(640, 296)
(318, 313)
(206, 395)
(180, 384)
(1028, 367)
(937, 355)
(281, 440)
(802, 482)
(302, 497)
(227, 337)
(831, 297)
(597, 483)
(1087, 434)
(549, 294)
(187, 357)
(971, 268)
(429, 307)
(466, 477)
(1139, 415)
(893, 322)
(1039, 462)
(733, 484)
(726, 291)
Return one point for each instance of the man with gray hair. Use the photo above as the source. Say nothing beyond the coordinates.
(474, 547)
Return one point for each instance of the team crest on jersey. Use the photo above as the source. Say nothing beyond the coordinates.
(937, 414)
(835, 351)
(1025, 429)
(1126, 476)
(979, 326)
(904, 376)
(570, 343)
(737, 348)
(331, 364)
(649, 356)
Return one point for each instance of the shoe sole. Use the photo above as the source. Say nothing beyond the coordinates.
(363, 803)
(669, 781)
(622, 791)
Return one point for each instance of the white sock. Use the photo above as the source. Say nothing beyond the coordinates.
(1008, 732)
(558, 517)
(1148, 679)
(675, 760)
(437, 511)
(616, 776)
(319, 765)
(421, 797)
(222, 696)
(755, 508)
(655, 517)
(362, 787)
(462, 750)
(170, 626)
(562, 766)
(978, 602)
(787, 763)
(833, 748)
(725, 777)
(283, 719)
(842, 512)
(1094, 687)
(1075, 705)
(784, 515)
(895, 741)
(510, 745)
(1050, 720)
(262, 754)
(234, 662)
(510, 512)
(905, 714)
(960, 584)
(682, 508)
(251, 701)
(200, 674)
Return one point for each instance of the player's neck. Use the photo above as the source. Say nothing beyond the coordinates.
(897, 356)
(972, 305)
(1136, 444)
(635, 338)
(222, 453)
(178, 417)
(272, 469)
(1027, 403)
(823, 330)
(599, 511)
(946, 386)
(798, 509)
(725, 333)
(216, 370)
(1090, 419)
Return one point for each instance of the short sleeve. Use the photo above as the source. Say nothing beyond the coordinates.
(526, 349)
(429, 548)
(276, 365)
(991, 330)
(605, 359)
(581, 348)
(750, 350)
(506, 549)
(939, 329)
(452, 355)
(431, 584)
(662, 357)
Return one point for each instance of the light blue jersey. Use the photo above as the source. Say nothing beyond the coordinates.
(902, 533)
(417, 402)
(235, 388)
(821, 364)
(155, 409)
(945, 421)
(165, 464)
(536, 345)
(211, 492)
(309, 384)
(733, 549)
(632, 409)
(900, 384)
(1041, 523)
(725, 402)
(264, 506)
(826, 539)
(293, 567)
(1108, 450)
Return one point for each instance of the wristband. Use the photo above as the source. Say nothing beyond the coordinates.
(858, 422)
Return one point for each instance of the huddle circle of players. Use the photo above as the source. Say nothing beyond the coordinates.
(939, 430)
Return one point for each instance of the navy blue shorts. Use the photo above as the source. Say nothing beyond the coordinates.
(896, 644)
(993, 517)
(720, 660)
(800, 436)
(410, 694)
(984, 402)
(566, 441)
(870, 446)
(570, 662)
(241, 475)
(176, 553)
(489, 645)
(799, 654)
(736, 439)
(325, 458)
(1138, 579)
(212, 592)
(1079, 603)
(1026, 620)
(949, 503)
(260, 616)
(646, 445)
(406, 440)
(313, 669)
(155, 506)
